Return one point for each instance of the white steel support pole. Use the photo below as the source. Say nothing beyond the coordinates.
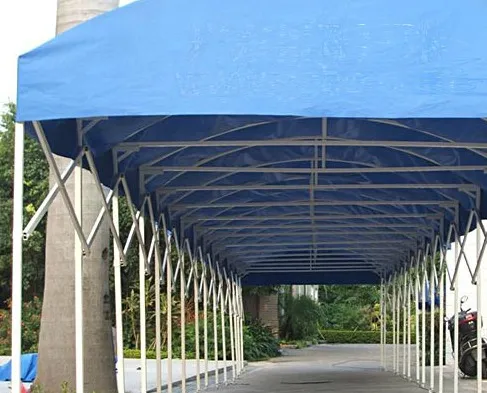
(18, 208)
(416, 306)
(432, 321)
(157, 286)
(240, 304)
(398, 324)
(441, 288)
(182, 282)
(409, 278)
(394, 330)
(169, 279)
(404, 322)
(237, 330)
(197, 322)
(224, 342)
(205, 320)
(423, 321)
(382, 324)
(456, 306)
(231, 313)
(215, 321)
(480, 356)
(142, 306)
(78, 272)
(117, 275)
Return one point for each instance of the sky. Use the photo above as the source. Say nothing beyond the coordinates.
(24, 25)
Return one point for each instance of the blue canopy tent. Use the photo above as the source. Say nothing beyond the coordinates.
(280, 141)
(293, 142)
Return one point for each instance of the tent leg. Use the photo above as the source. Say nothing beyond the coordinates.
(118, 299)
(480, 360)
(423, 323)
(394, 330)
(215, 323)
(224, 343)
(205, 320)
(416, 306)
(432, 323)
(404, 321)
(142, 306)
(409, 321)
(169, 281)
(78, 276)
(456, 306)
(17, 246)
(240, 305)
(197, 324)
(231, 313)
(381, 324)
(182, 282)
(441, 286)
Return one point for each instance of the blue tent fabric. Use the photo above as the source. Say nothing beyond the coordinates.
(375, 70)
(28, 368)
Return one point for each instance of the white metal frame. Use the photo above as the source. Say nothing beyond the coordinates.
(225, 287)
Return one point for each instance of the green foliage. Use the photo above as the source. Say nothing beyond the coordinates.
(436, 338)
(358, 337)
(36, 174)
(31, 319)
(259, 343)
(350, 307)
(302, 318)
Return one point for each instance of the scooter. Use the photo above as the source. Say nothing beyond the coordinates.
(467, 336)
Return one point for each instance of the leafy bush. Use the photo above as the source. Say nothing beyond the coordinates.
(259, 342)
(358, 337)
(31, 321)
(301, 319)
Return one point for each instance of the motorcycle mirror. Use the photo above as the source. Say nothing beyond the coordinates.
(463, 299)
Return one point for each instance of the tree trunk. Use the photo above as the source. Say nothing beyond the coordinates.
(57, 335)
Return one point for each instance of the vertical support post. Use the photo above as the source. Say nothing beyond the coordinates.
(409, 321)
(17, 238)
(398, 324)
(78, 272)
(231, 313)
(480, 359)
(382, 324)
(386, 293)
(205, 320)
(196, 295)
(169, 279)
(423, 321)
(394, 330)
(432, 321)
(117, 278)
(441, 286)
(456, 306)
(404, 321)
(183, 323)
(215, 320)
(416, 305)
(142, 305)
(240, 305)
(157, 286)
(224, 342)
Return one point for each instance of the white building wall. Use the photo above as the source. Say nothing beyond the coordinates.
(465, 286)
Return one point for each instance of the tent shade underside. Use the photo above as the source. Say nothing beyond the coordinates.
(297, 146)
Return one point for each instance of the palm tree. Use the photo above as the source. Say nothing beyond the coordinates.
(56, 341)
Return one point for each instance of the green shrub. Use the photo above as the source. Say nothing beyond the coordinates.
(259, 342)
(301, 319)
(358, 337)
(31, 322)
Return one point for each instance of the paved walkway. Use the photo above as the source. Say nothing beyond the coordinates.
(324, 368)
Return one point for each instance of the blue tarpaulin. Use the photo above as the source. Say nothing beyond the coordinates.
(28, 368)
(327, 79)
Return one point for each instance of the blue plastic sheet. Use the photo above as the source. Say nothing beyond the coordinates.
(413, 71)
(28, 368)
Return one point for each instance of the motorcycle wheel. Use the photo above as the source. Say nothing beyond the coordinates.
(484, 369)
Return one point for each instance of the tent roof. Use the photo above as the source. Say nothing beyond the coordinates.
(265, 127)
